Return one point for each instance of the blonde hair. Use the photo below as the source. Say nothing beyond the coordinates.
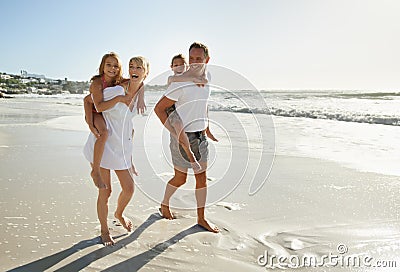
(142, 61)
(114, 55)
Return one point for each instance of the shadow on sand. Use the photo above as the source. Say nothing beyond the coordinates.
(49, 261)
(138, 261)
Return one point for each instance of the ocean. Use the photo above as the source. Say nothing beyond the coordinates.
(358, 129)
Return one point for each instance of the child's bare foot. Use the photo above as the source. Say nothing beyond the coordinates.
(196, 166)
(207, 226)
(125, 222)
(106, 238)
(193, 162)
(165, 212)
(97, 179)
(134, 172)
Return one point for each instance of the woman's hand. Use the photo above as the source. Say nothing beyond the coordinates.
(141, 105)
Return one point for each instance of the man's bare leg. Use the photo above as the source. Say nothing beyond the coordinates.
(102, 207)
(124, 197)
(201, 196)
(177, 181)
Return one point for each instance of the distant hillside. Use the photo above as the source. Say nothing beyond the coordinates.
(19, 84)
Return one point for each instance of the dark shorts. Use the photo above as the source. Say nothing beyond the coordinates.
(198, 144)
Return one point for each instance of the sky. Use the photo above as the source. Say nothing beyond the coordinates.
(275, 44)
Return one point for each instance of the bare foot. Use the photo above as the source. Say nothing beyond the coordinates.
(165, 212)
(97, 179)
(196, 166)
(107, 239)
(134, 172)
(208, 226)
(125, 222)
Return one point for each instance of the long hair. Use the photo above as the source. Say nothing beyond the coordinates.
(118, 78)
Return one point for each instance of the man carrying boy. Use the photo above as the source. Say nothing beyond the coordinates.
(191, 104)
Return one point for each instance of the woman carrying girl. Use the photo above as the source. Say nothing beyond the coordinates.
(118, 104)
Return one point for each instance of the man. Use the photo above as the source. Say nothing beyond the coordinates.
(191, 104)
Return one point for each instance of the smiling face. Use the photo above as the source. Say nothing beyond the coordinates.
(178, 66)
(136, 71)
(112, 68)
(198, 60)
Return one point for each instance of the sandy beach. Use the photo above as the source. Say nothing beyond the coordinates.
(308, 207)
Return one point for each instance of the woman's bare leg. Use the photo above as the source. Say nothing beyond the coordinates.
(127, 185)
(102, 207)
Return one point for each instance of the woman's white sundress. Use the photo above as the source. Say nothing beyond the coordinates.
(119, 145)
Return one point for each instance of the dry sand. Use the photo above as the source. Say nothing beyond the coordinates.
(307, 208)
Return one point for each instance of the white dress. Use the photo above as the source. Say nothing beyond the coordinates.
(119, 145)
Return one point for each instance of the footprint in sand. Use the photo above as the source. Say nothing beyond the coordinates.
(230, 206)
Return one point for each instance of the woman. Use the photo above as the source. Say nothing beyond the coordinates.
(118, 148)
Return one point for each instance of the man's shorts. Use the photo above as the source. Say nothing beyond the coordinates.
(198, 145)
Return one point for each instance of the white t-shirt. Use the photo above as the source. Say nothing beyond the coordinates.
(191, 104)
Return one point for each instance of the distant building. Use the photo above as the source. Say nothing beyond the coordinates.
(55, 81)
(27, 80)
(5, 76)
(25, 74)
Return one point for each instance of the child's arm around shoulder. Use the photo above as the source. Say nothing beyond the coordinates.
(170, 80)
(188, 77)
(96, 89)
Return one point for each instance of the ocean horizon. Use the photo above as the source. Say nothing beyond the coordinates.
(359, 129)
